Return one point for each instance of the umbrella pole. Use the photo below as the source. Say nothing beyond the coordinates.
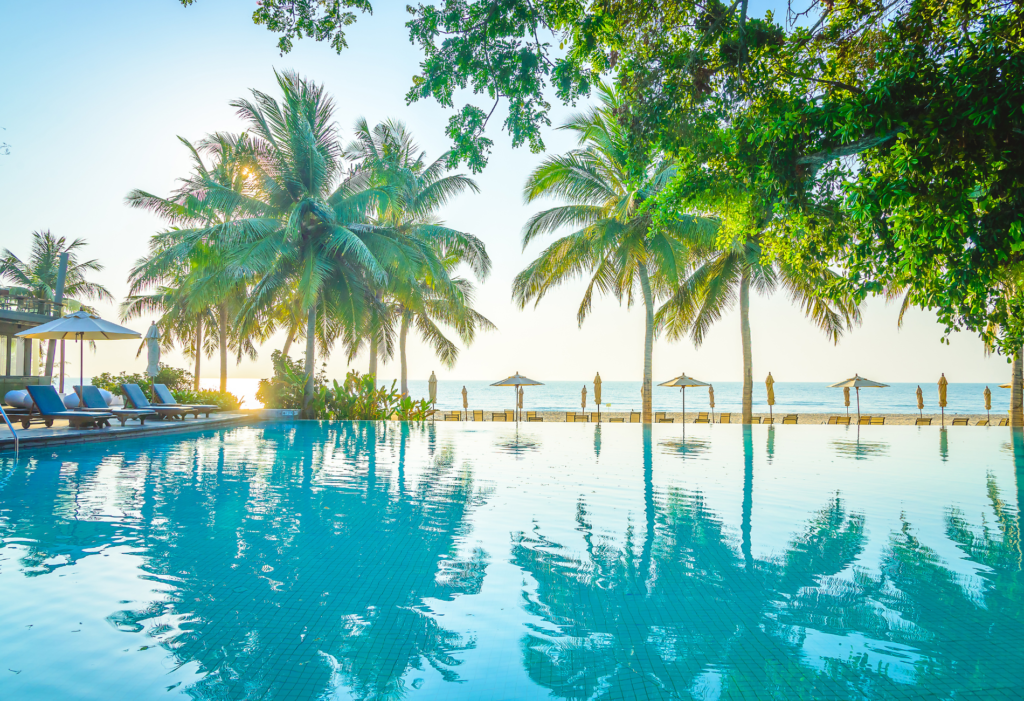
(858, 406)
(684, 412)
(62, 366)
(81, 362)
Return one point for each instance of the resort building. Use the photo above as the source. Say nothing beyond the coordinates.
(21, 359)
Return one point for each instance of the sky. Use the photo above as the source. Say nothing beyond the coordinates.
(95, 95)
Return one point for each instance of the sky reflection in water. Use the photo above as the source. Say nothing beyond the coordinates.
(317, 560)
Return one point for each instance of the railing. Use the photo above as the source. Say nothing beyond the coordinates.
(13, 432)
(29, 305)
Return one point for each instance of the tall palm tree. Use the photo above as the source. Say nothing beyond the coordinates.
(422, 290)
(729, 272)
(177, 258)
(617, 243)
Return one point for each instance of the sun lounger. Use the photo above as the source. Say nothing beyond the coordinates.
(725, 418)
(478, 414)
(838, 421)
(768, 420)
(498, 416)
(134, 396)
(702, 418)
(961, 422)
(162, 395)
(616, 420)
(922, 422)
(1004, 422)
(452, 416)
(666, 420)
(755, 419)
(50, 407)
(658, 416)
(531, 415)
(634, 417)
(865, 421)
(983, 422)
(92, 400)
(534, 419)
(790, 418)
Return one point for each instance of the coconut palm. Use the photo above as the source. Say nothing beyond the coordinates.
(200, 264)
(38, 274)
(728, 273)
(617, 243)
(422, 290)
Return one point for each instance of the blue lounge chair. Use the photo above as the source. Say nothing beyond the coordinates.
(163, 396)
(92, 400)
(51, 407)
(134, 396)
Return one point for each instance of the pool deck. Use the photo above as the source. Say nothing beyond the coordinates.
(62, 434)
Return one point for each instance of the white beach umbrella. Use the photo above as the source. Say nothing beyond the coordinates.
(152, 341)
(516, 381)
(80, 326)
(857, 382)
(682, 382)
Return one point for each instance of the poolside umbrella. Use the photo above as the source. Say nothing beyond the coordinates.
(988, 403)
(80, 326)
(846, 399)
(771, 394)
(152, 343)
(465, 401)
(597, 394)
(516, 381)
(857, 382)
(682, 382)
(920, 401)
(711, 401)
(942, 396)
(432, 389)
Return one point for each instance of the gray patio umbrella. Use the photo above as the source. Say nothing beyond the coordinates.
(80, 326)
(682, 382)
(516, 381)
(857, 382)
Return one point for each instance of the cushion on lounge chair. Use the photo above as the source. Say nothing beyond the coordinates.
(162, 395)
(92, 400)
(133, 393)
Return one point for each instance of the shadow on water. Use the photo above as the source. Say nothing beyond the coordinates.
(301, 565)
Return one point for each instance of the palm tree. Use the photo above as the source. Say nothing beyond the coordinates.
(727, 273)
(421, 291)
(618, 243)
(200, 264)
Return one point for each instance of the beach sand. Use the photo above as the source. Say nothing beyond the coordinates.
(802, 419)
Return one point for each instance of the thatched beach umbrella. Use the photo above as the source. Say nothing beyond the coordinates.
(920, 401)
(711, 401)
(597, 394)
(516, 381)
(770, 383)
(682, 382)
(857, 382)
(465, 401)
(80, 326)
(942, 396)
(988, 403)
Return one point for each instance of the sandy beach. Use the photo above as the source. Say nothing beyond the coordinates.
(802, 419)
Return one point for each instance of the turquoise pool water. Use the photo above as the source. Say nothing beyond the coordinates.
(567, 561)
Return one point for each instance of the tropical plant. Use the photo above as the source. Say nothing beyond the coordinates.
(176, 379)
(733, 264)
(618, 244)
(38, 274)
(194, 283)
(421, 290)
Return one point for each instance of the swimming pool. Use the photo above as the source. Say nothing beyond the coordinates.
(477, 561)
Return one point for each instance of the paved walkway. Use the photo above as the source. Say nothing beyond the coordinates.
(62, 434)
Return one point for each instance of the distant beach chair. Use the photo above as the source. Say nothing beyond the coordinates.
(832, 421)
(666, 420)
(1004, 422)
(453, 416)
(983, 422)
(961, 422)
(535, 418)
(634, 417)
(865, 420)
(582, 418)
(658, 416)
(768, 420)
(702, 418)
(725, 418)
(531, 415)
(510, 415)
(595, 417)
(478, 415)
(570, 417)
(790, 418)
(616, 420)
(922, 422)
(499, 416)
(877, 420)
(755, 419)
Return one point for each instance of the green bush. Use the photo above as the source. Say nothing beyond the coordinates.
(223, 400)
(356, 399)
(176, 379)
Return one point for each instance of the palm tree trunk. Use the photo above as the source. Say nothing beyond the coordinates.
(1017, 392)
(402, 336)
(748, 370)
(223, 310)
(373, 356)
(645, 286)
(289, 339)
(199, 352)
(310, 368)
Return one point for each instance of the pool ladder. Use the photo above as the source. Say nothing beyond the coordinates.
(13, 432)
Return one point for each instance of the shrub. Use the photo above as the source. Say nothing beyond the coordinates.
(284, 390)
(224, 400)
(176, 379)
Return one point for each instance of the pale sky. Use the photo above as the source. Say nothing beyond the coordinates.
(95, 94)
